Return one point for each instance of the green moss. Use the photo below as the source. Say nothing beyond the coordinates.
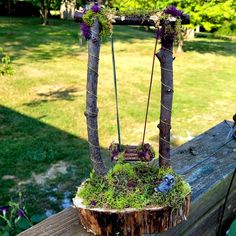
(132, 186)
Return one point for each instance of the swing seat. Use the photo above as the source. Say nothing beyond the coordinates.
(132, 152)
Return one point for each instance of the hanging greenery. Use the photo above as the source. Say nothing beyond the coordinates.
(89, 18)
(167, 22)
(170, 27)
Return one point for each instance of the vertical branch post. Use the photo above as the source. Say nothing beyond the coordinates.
(91, 99)
(165, 57)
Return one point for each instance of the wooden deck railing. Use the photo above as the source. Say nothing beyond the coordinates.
(206, 162)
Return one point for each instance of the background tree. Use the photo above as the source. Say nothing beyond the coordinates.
(210, 14)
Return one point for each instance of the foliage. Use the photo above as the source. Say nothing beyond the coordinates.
(228, 29)
(209, 14)
(170, 28)
(5, 66)
(89, 18)
(131, 186)
(14, 218)
(168, 22)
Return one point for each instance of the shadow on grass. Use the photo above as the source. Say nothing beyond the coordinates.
(211, 45)
(68, 94)
(28, 36)
(29, 147)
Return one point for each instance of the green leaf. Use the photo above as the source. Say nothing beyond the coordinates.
(23, 223)
(4, 233)
(37, 218)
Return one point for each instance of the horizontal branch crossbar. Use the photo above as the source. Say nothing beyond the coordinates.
(128, 20)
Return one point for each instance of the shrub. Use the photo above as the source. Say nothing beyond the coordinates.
(5, 66)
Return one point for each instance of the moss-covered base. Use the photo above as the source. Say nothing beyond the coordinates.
(132, 186)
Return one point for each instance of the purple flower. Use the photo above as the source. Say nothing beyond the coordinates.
(173, 11)
(85, 30)
(95, 8)
(93, 203)
(4, 210)
(20, 213)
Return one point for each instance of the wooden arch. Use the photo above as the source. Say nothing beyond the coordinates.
(166, 62)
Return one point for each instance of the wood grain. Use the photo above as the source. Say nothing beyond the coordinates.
(132, 222)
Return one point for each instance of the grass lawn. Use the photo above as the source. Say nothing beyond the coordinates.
(43, 147)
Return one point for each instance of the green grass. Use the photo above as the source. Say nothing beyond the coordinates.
(42, 105)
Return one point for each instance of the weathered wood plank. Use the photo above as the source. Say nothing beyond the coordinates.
(206, 163)
(193, 153)
(63, 223)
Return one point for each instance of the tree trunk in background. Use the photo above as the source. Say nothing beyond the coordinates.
(91, 100)
(44, 11)
(165, 57)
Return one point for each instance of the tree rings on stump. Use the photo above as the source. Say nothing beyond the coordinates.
(129, 221)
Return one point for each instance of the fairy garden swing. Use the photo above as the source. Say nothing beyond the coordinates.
(138, 198)
(143, 152)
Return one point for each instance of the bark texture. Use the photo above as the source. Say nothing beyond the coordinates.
(132, 222)
(91, 100)
(165, 57)
(44, 11)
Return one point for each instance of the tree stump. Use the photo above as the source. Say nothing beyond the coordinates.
(129, 221)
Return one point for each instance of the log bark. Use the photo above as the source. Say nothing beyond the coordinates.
(91, 100)
(165, 57)
(131, 222)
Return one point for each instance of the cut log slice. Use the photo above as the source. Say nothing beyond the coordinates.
(130, 222)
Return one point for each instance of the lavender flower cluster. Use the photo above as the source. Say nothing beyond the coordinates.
(177, 13)
(160, 32)
(86, 29)
(173, 11)
(95, 8)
